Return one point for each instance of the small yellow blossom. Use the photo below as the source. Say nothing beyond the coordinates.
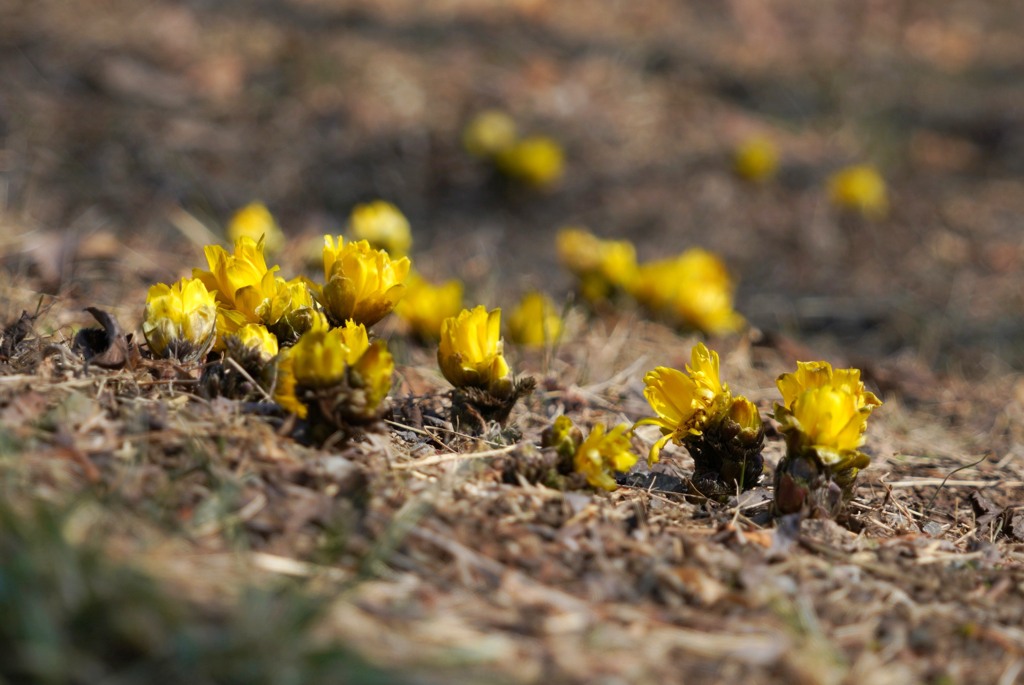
(535, 322)
(563, 436)
(372, 373)
(319, 359)
(470, 352)
(602, 266)
(382, 225)
(255, 221)
(425, 306)
(256, 337)
(536, 160)
(241, 279)
(291, 311)
(180, 319)
(693, 288)
(825, 410)
(602, 454)
(361, 283)
(489, 133)
(756, 159)
(860, 188)
(685, 403)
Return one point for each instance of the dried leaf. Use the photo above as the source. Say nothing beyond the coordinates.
(106, 347)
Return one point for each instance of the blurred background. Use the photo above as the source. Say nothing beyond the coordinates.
(130, 131)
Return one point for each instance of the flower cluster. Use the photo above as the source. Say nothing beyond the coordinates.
(535, 160)
(695, 409)
(306, 343)
(596, 459)
(693, 288)
(823, 414)
(604, 268)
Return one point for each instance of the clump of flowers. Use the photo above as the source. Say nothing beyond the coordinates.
(823, 414)
(180, 320)
(382, 225)
(361, 283)
(535, 322)
(489, 133)
(248, 291)
(337, 380)
(722, 433)
(603, 268)
(254, 221)
(567, 460)
(536, 161)
(861, 189)
(756, 159)
(470, 357)
(693, 289)
(425, 306)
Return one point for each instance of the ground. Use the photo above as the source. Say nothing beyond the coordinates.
(129, 131)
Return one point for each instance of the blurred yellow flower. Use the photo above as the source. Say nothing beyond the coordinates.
(470, 352)
(562, 435)
(693, 288)
(180, 319)
(535, 321)
(291, 311)
(241, 279)
(319, 358)
(286, 387)
(489, 133)
(424, 305)
(536, 160)
(255, 221)
(361, 283)
(685, 403)
(604, 453)
(258, 339)
(372, 373)
(860, 188)
(602, 266)
(383, 226)
(824, 410)
(756, 159)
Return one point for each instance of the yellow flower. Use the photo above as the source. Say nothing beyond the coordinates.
(693, 288)
(602, 453)
(860, 188)
(424, 305)
(470, 353)
(745, 414)
(810, 375)
(372, 372)
(290, 311)
(255, 221)
(602, 266)
(756, 159)
(241, 280)
(319, 358)
(180, 319)
(536, 160)
(824, 410)
(685, 403)
(535, 321)
(382, 225)
(361, 283)
(286, 386)
(563, 436)
(489, 133)
(257, 338)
